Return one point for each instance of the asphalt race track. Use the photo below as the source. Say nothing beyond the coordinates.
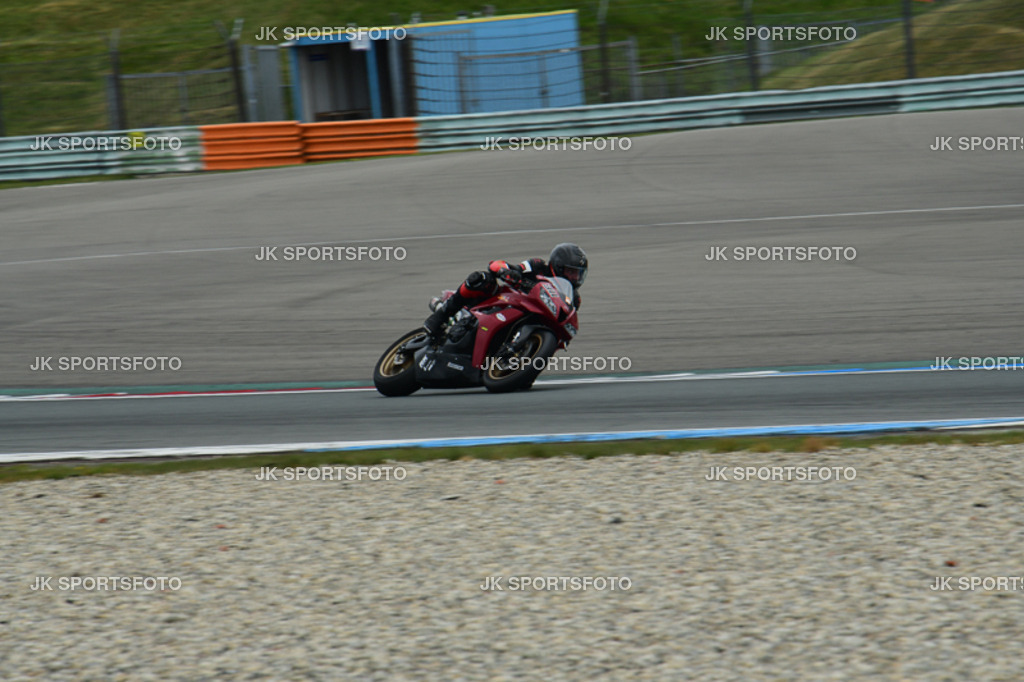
(183, 422)
(167, 267)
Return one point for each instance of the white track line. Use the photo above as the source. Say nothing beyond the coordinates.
(564, 381)
(503, 233)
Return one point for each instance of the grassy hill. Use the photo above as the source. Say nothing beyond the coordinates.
(963, 37)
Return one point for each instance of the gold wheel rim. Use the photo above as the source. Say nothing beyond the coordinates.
(496, 373)
(388, 367)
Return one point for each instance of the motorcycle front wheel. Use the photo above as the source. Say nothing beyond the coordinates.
(518, 372)
(395, 372)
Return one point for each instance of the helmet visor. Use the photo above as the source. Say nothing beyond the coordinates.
(574, 274)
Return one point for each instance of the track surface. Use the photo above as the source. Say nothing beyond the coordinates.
(79, 424)
(927, 282)
(166, 267)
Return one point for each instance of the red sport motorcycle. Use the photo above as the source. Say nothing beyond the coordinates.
(502, 343)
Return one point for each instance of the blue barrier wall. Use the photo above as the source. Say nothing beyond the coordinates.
(497, 64)
(479, 65)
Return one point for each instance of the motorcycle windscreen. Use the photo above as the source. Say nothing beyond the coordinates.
(565, 289)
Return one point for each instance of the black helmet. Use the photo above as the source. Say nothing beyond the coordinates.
(569, 261)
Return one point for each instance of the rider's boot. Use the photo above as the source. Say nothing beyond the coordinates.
(445, 309)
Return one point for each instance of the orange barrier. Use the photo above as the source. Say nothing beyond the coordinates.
(251, 145)
(356, 139)
(285, 143)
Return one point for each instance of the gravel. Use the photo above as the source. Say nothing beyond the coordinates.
(380, 580)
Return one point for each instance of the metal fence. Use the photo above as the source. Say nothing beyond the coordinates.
(97, 91)
(947, 39)
(266, 92)
(434, 58)
(535, 77)
(152, 100)
(610, 72)
(715, 75)
(531, 79)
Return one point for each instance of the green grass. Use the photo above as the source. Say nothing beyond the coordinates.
(13, 184)
(27, 472)
(957, 39)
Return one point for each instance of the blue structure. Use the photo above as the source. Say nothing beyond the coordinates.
(478, 65)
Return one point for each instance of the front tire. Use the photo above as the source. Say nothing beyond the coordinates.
(395, 372)
(538, 347)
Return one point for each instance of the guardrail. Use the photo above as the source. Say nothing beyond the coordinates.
(256, 145)
(108, 152)
(468, 131)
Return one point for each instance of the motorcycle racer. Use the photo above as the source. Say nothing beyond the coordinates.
(567, 260)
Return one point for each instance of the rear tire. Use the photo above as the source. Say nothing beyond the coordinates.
(539, 346)
(395, 373)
